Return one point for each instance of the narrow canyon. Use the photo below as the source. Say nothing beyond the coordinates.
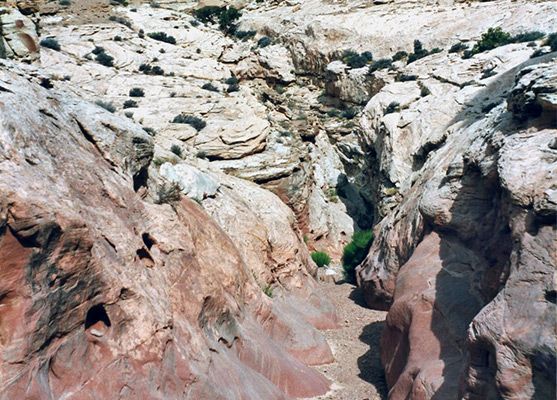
(265, 199)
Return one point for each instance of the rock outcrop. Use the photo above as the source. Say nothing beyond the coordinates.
(114, 288)
(464, 257)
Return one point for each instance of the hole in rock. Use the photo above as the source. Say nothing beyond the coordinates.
(97, 317)
(148, 240)
(144, 256)
(140, 179)
(551, 296)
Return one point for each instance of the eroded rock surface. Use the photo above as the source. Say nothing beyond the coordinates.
(107, 293)
(465, 260)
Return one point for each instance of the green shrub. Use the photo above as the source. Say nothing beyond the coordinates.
(268, 290)
(107, 106)
(50, 43)
(526, 37)
(65, 3)
(394, 106)
(227, 18)
(120, 20)
(356, 251)
(130, 104)
(406, 78)
(320, 258)
(494, 37)
(349, 113)
(208, 14)
(137, 92)
(231, 81)
(552, 41)
(176, 150)
(197, 123)
(419, 52)
(458, 47)
(264, 42)
(399, 55)
(233, 88)
(150, 131)
(244, 35)
(168, 193)
(210, 87)
(355, 60)
(105, 59)
(380, 64)
(162, 37)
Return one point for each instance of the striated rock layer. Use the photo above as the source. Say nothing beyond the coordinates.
(465, 261)
(112, 288)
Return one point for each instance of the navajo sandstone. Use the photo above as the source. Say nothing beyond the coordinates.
(113, 288)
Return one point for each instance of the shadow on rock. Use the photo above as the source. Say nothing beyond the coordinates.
(357, 296)
(369, 364)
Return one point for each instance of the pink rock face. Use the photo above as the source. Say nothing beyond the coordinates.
(466, 263)
(105, 294)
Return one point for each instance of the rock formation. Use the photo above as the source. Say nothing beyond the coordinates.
(159, 177)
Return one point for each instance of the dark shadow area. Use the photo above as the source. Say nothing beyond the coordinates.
(357, 296)
(95, 314)
(371, 369)
(357, 207)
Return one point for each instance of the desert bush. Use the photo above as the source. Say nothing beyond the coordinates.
(526, 37)
(208, 13)
(150, 131)
(494, 37)
(129, 104)
(380, 64)
(458, 47)
(551, 41)
(399, 55)
(231, 81)
(176, 150)
(191, 120)
(356, 251)
(320, 258)
(210, 87)
(233, 88)
(137, 92)
(97, 50)
(268, 290)
(105, 59)
(392, 107)
(120, 20)
(108, 106)
(65, 3)
(227, 17)
(355, 60)
(168, 193)
(162, 37)
(406, 78)
(264, 42)
(50, 43)
(244, 35)
(349, 113)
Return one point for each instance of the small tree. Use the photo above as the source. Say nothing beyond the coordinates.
(320, 258)
(355, 252)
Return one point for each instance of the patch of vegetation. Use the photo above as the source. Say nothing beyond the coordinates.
(120, 20)
(526, 37)
(128, 114)
(380, 64)
(264, 42)
(65, 3)
(50, 43)
(149, 70)
(176, 150)
(227, 19)
(231, 81)
(97, 50)
(268, 290)
(103, 58)
(191, 120)
(494, 37)
(168, 193)
(355, 60)
(551, 41)
(305, 238)
(137, 92)
(129, 104)
(233, 88)
(349, 113)
(162, 37)
(150, 131)
(355, 252)
(333, 112)
(210, 87)
(399, 55)
(394, 106)
(320, 258)
(458, 47)
(244, 35)
(419, 52)
(108, 106)
(208, 14)
(424, 91)
(194, 23)
(406, 78)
